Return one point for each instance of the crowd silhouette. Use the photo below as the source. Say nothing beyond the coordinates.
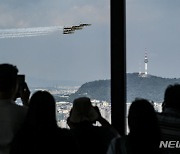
(31, 128)
(40, 133)
(144, 135)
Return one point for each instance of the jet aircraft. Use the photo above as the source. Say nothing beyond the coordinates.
(85, 25)
(67, 28)
(68, 31)
(71, 29)
(77, 27)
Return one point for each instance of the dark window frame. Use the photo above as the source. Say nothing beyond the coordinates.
(118, 65)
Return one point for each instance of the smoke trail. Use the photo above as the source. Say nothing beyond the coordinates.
(28, 32)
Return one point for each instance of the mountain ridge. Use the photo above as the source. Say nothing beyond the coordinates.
(151, 88)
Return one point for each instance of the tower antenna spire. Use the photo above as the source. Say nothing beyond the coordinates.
(145, 63)
(140, 69)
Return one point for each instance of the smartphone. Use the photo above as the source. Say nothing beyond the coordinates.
(21, 81)
(21, 78)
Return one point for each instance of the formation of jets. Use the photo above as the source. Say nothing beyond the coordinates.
(71, 29)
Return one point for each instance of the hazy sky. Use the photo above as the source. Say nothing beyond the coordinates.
(155, 25)
(82, 56)
(85, 55)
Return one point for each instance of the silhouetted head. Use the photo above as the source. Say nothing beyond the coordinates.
(172, 97)
(142, 118)
(83, 111)
(144, 136)
(42, 110)
(8, 80)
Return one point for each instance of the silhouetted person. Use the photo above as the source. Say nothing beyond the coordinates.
(40, 133)
(169, 119)
(92, 139)
(11, 114)
(144, 136)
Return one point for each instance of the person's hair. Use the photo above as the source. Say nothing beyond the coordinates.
(42, 110)
(8, 77)
(141, 115)
(143, 125)
(172, 97)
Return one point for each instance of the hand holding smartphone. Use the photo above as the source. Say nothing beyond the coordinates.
(21, 81)
(23, 90)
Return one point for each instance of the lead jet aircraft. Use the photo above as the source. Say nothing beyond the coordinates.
(85, 25)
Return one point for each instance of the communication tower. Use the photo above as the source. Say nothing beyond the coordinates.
(145, 63)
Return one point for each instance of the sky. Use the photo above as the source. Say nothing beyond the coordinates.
(84, 56)
(154, 25)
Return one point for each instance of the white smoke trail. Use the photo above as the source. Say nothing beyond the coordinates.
(28, 32)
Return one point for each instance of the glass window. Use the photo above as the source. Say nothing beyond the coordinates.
(152, 49)
(34, 36)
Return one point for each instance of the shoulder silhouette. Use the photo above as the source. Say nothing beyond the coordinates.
(144, 134)
(169, 118)
(82, 120)
(40, 133)
(11, 115)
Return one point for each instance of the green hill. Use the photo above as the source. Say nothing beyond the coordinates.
(99, 90)
(151, 87)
